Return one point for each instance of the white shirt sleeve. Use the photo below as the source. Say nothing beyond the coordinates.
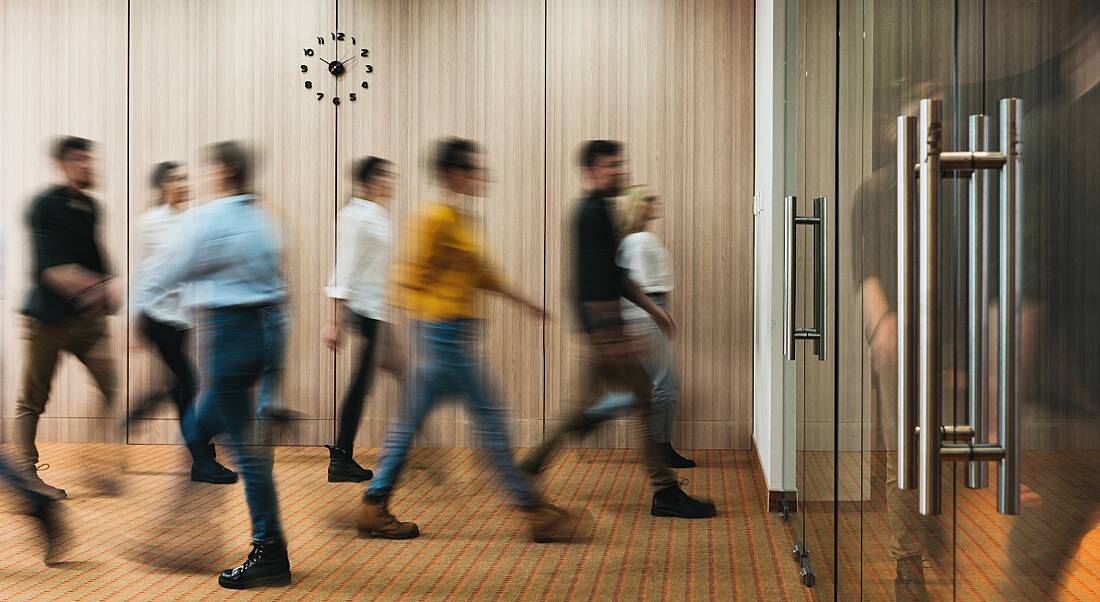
(349, 247)
(633, 257)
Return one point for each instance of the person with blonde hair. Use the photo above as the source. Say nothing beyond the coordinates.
(645, 259)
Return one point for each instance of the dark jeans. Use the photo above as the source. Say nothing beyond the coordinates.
(449, 366)
(236, 360)
(171, 343)
(351, 410)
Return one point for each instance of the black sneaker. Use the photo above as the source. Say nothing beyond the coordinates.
(672, 458)
(672, 501)
(207, 470)
(47, 513)
(36, 484)
(267, 565)
(342, 467)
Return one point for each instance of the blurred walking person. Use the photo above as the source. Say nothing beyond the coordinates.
(614, 361)
(364, 245)
(165, 321)
(72, 294)
(645, 259)
(229, 249)
(438, 286)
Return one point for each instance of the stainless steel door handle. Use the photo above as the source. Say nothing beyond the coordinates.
(791, 220)
(922, 447)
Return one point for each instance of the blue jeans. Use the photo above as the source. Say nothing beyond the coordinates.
(447, 366)
(275, 324)
(658, 363)
(236, 359)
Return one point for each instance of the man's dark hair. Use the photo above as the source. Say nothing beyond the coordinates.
(160, 173)
(594, 149)
(63, 145)
(454, 153)
(369, 168)
(235, 156)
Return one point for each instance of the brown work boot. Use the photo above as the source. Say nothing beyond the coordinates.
(909, 583)
(375, 520)
(548, 523)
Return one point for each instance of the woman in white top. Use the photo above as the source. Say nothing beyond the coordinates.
(166, 323)
(364, 246)
(645, 258)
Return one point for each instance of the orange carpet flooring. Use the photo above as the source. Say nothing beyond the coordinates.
(165, 538)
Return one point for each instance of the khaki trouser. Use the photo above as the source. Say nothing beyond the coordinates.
(85, 338)
(613, 363)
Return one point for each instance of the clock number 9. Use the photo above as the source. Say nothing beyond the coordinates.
(365, 85)
(309, 85)
(364, 53)
(370, 68)
(320, 95)
(336, 100)
(351, 97)
(303, 68)
(308, 51)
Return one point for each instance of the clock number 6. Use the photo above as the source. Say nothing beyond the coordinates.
(336, 100)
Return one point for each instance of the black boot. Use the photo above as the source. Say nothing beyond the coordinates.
(46, 512)
(206, 469)
(672, 501)
(267, 565)
(672, 458)
(342, 467)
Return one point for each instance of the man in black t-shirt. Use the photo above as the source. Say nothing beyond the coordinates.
(614, 359)
(71, 295)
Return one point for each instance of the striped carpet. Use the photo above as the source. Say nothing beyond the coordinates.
(166, 538)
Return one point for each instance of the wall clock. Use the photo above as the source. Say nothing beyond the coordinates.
(331, 59)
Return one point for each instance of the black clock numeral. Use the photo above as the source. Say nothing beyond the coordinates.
(336, 100)
(365, 85)
(339, 36)
(351, 97)
(364, 52)
(320, 95)
(309, 85)
(303, 68)
(308, 51)
(353, 41)
(370, 68)
(320, 40)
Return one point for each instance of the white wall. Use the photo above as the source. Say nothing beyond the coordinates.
(773, 377)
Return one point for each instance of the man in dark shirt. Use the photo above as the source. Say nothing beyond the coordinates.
(614, 361)
(71, 296)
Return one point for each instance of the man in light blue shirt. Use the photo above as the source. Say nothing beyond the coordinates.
(227, 250)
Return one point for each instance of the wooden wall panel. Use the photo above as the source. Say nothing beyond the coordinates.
(530, 80)
(203, 72)
(64, 73)
(673, 81)
(473, 69)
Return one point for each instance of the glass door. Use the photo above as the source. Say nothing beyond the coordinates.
(968, 176)
(944, 175)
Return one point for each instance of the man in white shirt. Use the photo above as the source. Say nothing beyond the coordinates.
(364, 245)
(167, 323)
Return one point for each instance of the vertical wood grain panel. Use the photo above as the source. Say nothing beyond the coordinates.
(65, 73)
(203, 72)
(673, 81)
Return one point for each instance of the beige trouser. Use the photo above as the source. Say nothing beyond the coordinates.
(85, 338)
